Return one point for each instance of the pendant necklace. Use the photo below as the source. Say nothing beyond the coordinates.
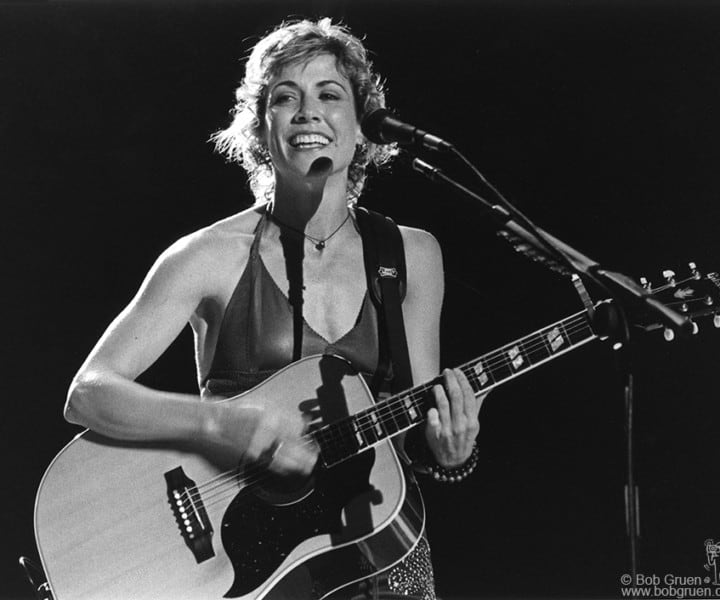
(318, 242)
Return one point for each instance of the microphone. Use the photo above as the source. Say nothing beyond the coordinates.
(382, 127)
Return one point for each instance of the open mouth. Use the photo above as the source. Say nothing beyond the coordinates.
(309, 140)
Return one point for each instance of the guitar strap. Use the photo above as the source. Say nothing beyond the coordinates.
(384, 256)
(385, 269)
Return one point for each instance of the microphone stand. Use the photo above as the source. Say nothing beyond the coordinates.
(611, 322)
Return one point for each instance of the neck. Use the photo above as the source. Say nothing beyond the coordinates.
(313, 207)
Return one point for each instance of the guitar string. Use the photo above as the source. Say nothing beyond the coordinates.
(390, 407)
(668, 286)
(366, 423)
(226, 493)
(491, 362)
(395, 405)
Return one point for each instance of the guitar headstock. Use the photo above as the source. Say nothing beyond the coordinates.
(692, 294)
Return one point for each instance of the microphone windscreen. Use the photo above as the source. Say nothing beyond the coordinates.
(371, 125)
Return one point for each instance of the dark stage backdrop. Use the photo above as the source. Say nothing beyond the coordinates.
(599, 119)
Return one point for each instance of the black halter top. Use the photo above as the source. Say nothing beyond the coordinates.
(256, 334)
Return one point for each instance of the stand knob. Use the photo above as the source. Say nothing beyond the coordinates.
(694, 271)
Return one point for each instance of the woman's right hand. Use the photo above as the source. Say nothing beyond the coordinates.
(265, 436)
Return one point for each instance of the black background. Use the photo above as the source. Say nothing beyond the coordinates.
(599, 119)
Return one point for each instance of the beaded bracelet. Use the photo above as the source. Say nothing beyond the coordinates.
(455, 474)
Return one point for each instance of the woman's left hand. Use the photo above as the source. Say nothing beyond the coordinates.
(453, 426)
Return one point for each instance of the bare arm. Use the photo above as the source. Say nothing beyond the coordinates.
(104, 396)
(453, 426)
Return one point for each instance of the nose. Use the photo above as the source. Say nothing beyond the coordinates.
(307, 111)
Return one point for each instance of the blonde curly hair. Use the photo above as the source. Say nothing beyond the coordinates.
(290, 43)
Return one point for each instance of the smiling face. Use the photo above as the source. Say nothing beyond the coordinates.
(310, 114)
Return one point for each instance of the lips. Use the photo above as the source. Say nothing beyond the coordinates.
(309, 140)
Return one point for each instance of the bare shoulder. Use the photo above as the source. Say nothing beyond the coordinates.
(425, 287)
(239, 224)
(422, 251)
(207, 252)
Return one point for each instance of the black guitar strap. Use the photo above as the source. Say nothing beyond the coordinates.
(386, 272)
(384, 256)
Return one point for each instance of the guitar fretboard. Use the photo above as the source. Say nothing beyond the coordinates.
(347, 437)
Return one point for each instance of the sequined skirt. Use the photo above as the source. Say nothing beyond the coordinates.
(411, 579)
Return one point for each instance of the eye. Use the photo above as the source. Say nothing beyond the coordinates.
(282, 98)
(329, 96)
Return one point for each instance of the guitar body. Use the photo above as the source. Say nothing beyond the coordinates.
(107, 525)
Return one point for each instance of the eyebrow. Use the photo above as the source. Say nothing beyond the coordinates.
(319, 84)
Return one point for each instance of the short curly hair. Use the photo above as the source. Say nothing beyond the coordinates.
(291, 43)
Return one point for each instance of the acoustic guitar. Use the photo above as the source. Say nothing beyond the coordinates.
(147, 521)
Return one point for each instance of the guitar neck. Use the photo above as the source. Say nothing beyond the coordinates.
(347, 437)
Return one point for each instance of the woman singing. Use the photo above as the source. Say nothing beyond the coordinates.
(243, 282)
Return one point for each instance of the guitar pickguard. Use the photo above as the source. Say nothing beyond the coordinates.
(258, 535)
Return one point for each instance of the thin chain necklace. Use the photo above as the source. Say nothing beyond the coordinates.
(318, 242)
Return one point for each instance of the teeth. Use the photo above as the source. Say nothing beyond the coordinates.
(309, 139)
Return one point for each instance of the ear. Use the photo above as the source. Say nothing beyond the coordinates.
(359, 137)
(262, 134)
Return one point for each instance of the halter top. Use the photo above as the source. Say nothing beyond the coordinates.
(256, 339)
(256, 335)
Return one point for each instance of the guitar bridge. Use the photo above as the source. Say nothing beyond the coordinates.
(190, 515)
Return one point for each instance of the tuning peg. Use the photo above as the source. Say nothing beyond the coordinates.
(645, 283)
(694, 271)
(669, 276)
(716, 321)
(695, 328)
(684, 307)
(708, 301)
(668, 334)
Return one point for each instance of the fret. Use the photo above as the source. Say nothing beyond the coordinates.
(478, 376)
(320, 436)
(499, 365)
(387, 418)
(331, 448)
(422, 399)
(576, 332)
(347, 445)
(377, 425)
(403, 411)
(505, 363)
(359, 434)
(367, 428)
(367, 432)
(555, 339)
(516, 358)
(410, 409)
(472, 377)
(342, 439)
(537, 349)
